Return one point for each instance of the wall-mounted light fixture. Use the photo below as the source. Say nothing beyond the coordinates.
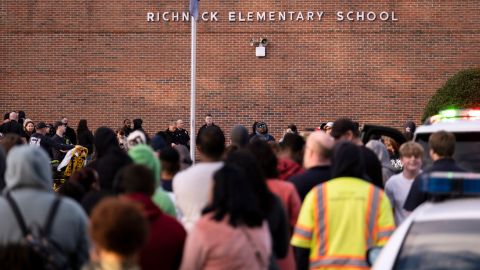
(260, 46)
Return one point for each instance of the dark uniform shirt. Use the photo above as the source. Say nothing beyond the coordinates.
(47, 143)
(312, 177)
(183, 137)
(416, 196)
(171, 137)
(56, 153)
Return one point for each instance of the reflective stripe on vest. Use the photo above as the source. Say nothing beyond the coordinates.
(322, 220)
(336, 261)
(303, 233)
(372, 212)
(385, 232)
(321, 215)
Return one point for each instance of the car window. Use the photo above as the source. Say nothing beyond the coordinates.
(444, 244)
(467, 150)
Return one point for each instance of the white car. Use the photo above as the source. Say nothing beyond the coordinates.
(438, 235)
(465, 125)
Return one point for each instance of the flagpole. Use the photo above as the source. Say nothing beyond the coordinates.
(193, 80)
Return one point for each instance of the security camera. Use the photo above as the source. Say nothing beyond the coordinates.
(264, 41)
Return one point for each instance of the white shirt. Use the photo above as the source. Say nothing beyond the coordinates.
(397, 188)
(192, 191)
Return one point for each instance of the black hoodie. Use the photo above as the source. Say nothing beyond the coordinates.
(110, 158)
(347, 161)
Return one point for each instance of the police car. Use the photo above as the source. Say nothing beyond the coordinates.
(441, 234)
(465, 125)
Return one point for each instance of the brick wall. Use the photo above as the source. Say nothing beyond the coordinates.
(102, 61)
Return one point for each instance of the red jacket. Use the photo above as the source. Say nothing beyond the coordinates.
(164, 247)
(288, 168)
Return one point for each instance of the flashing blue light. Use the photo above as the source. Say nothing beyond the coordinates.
(451, 183)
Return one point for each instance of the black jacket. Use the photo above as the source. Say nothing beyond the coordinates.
(71, 136)
(110, 158)
(48, 144)
(85, 139)
(58, 144)
(312, 177)
(373, 167)
(183, 137)
(416, 196)
(171, 137)
(12, 127)
(202, 129)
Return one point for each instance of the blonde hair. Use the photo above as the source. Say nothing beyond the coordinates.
(411, 149)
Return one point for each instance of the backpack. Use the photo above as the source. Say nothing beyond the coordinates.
(37, 240)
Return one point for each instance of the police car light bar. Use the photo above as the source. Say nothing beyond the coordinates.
(452, 183)
(453, 114)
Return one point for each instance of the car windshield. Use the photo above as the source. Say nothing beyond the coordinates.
(444, 244)
(467, 150)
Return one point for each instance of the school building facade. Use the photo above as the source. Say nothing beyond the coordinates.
(373, 61)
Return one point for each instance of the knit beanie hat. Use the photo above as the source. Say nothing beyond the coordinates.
(144, 155)
(135, 138)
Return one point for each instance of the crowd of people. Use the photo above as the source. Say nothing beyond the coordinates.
(316, 199)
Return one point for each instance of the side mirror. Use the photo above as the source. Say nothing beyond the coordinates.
(372, 255)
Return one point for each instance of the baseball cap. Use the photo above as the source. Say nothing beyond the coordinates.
(41, 125)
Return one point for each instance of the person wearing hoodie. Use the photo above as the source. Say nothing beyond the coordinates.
(167, 236)
(290, 156)
(29, 183)
(3, 166)
(261, 133)
(382, 153)
(144, 155)
(110, 158)
(344, 129)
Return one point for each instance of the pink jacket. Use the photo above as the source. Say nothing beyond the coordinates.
(217, 245)
(291, 202)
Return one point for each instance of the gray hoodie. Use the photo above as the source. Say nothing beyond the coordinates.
(381, 151)
(29, 180)
(3, 165)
